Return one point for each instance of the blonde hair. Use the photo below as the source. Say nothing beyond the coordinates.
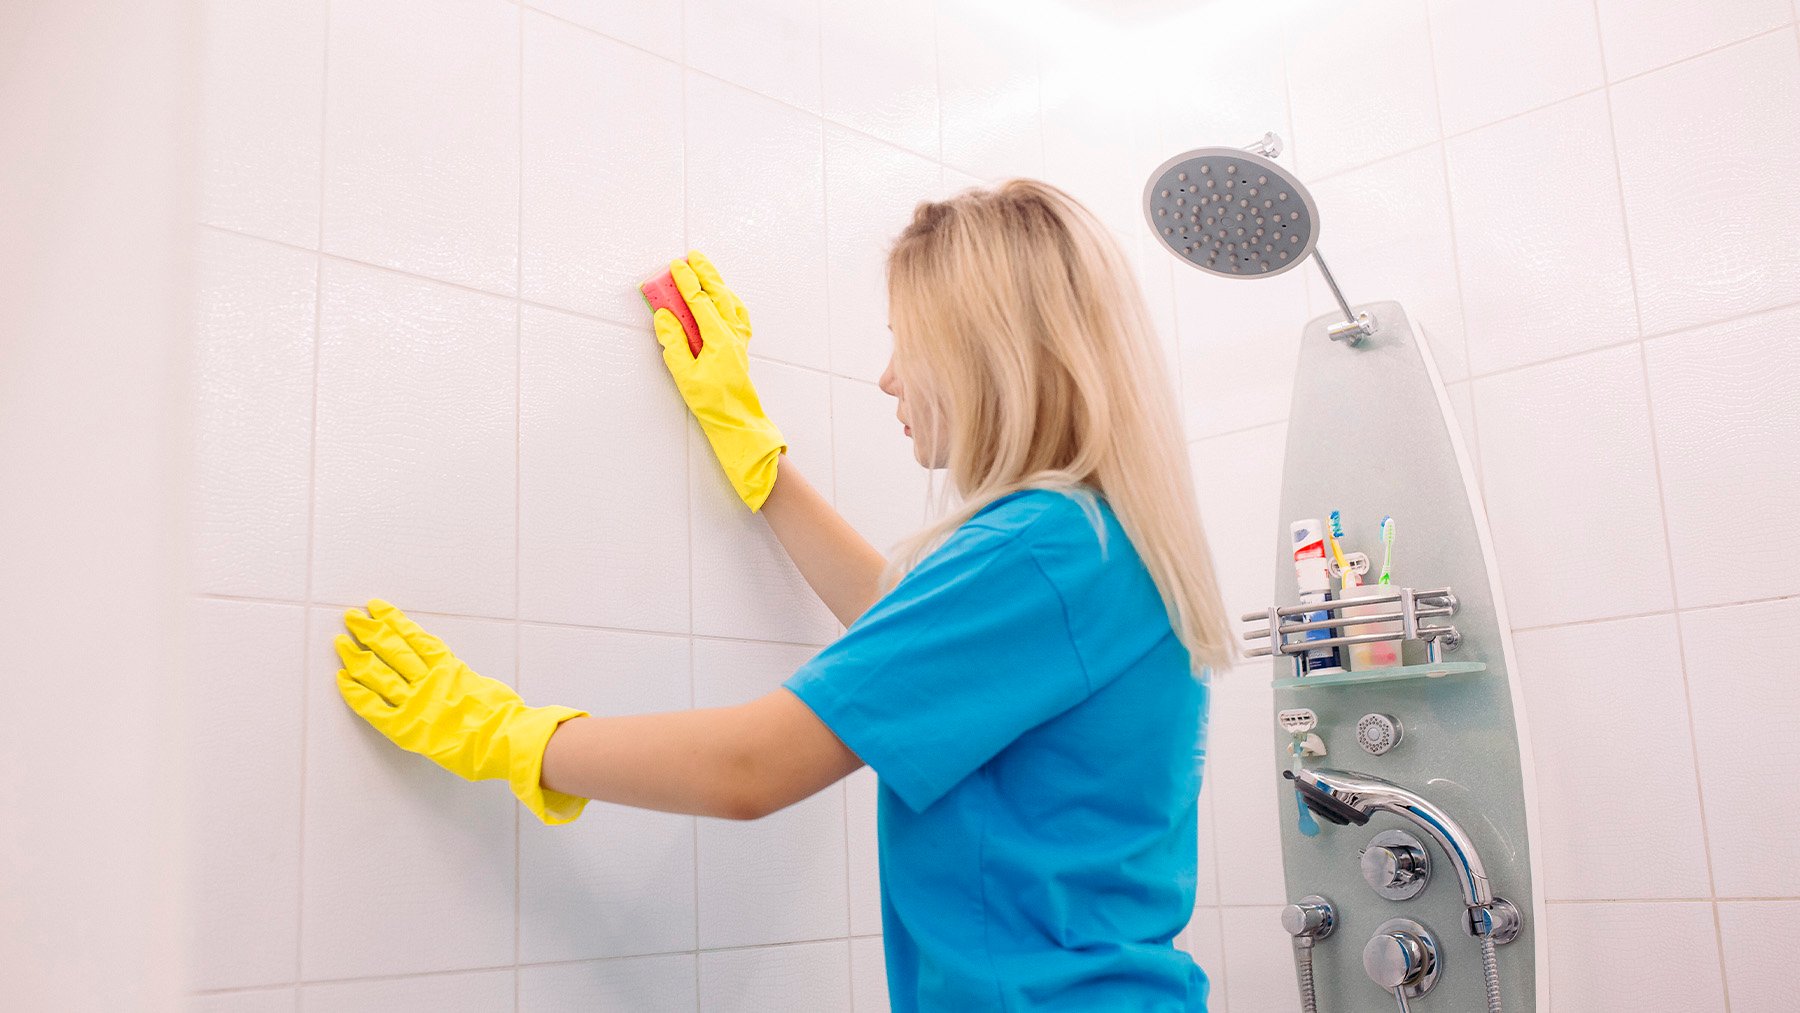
(1021, 329)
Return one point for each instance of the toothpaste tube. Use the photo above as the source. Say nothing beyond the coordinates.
(1313, 575)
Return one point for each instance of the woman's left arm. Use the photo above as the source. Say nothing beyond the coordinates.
(741, 762)
(733, 762)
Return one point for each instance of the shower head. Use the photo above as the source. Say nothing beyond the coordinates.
(1235, 213)
(1231, 212)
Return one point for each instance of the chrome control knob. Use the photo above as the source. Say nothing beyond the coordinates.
(1312, 918)
(1393, 959)
(1396, 865)
(1402, 957)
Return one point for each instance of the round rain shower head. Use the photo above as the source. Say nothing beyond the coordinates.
(1230, 212)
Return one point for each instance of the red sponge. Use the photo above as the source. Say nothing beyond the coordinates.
(661, 294)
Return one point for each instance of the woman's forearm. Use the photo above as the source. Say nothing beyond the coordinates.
(669, 762)
(740, 762)
(842, 568)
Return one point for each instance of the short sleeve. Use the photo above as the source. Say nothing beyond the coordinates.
(968, 652)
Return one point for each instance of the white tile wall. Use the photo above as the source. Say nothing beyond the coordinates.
(871, 189)
(649, 984)
(808, 978)
(990, 89)
(880, 70)
(1608, 707)
(597, 217)
(262, 87)
(1573, 423)
(756, 207)
(1756, 966)
(284, 1000)
(880, 487)
(868, 976)
(1258, 956)
(1552, 48)
(1382, 103)
(768, 46)
(1695, 262)
(244, 742)
(652, 27)
(422, 138)
(1741, 707)
(1517, 239)
(1727, 402)
(485, 992)
(595, 403)
(416, 444)
(464, 447)
(255, 318)
(1644, 34)
(1600, 960)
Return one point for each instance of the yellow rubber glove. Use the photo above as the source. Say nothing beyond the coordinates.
(716, 384)
(415, 692)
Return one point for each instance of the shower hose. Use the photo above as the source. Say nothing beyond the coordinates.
(1490, 973)
(1303, 963)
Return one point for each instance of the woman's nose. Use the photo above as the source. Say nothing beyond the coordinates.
(888, 383)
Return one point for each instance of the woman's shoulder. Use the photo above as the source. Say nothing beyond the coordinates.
(1072, 526)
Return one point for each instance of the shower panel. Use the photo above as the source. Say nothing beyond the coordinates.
(1406, 796)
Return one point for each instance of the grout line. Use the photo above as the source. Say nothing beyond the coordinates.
(1541, 107)
(719, 638)
(1696, 56)
(518, 830)
(1662, 503)
(312, 498)
(530, 303)
(1462, 301)
(687, 483)
(684, 65)
(1237, 432)
(580, 962)
(937, 83)
(433, 613)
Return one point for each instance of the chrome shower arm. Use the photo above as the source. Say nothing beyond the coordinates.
(1355, 327)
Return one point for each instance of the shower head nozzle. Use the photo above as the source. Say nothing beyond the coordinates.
(1231, 212)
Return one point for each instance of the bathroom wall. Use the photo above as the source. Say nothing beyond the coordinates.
(424, 374)
(1588, 206)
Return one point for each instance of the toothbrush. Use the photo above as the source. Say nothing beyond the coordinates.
(1387, 550)
(1332, 534)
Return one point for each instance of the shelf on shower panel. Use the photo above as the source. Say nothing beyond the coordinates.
(1428, 671)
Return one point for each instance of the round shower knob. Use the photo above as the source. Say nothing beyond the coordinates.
(1402, 955)
(1393, 959)
(1396, 865)
(1312, 918)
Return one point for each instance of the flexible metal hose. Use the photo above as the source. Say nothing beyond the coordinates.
(1303, 962)
(1490, 970)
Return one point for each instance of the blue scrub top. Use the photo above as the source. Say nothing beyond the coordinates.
(1039, 742)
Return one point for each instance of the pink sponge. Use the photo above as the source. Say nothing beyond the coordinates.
(661, 294)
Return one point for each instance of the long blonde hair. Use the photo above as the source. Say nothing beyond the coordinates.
(1022, 330)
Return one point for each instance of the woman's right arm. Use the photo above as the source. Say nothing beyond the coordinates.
(842, 568)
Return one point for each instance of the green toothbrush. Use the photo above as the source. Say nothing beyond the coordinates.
(1387, 551)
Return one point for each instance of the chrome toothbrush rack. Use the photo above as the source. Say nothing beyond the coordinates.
(1412, 607)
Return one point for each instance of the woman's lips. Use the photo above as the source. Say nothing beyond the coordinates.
(908, 429)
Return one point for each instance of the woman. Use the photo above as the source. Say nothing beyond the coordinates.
(1029, 691)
